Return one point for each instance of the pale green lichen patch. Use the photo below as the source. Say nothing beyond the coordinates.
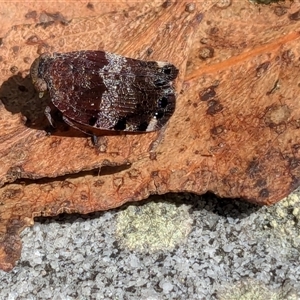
(251, 289)
(153, 226)
(285, 219)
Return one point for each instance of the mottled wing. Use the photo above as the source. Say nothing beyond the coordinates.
(111, 92)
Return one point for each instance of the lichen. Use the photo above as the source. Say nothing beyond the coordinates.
(153, 226)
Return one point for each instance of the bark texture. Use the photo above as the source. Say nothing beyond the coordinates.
(235, 131)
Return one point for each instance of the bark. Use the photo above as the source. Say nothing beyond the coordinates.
(235, 130)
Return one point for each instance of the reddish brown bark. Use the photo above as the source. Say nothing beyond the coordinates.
(235, 130)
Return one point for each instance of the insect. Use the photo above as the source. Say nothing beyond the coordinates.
(97, 90)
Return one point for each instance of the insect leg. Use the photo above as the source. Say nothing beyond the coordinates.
(71, 124)
(47, 113)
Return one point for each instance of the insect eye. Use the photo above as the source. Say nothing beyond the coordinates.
(167, 70)
(170, 72)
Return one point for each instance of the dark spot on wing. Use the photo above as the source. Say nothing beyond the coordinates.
(121, 124)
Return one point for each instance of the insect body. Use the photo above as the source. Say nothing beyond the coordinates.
(106, 91)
